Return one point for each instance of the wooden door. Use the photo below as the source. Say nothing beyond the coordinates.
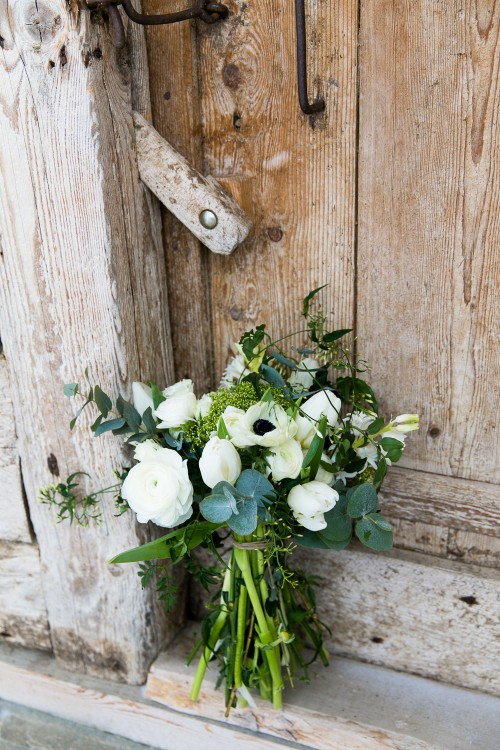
(391, 197)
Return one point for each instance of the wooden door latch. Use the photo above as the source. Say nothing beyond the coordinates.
(205, 10)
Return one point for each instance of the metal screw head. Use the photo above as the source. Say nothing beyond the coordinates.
(208, 219)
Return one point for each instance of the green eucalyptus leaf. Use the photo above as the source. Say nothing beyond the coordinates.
(272, 376)
(253, 484)
(374, 532)
(217, 508)
(310, 539)
(284, 360)
(112, 424)
(149, 421)
(333, 544)
(70, 389)
(339, 524)
(362, 500)
(245, 522)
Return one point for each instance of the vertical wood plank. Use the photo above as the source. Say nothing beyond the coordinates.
(175, 99)
(82, 283)
(297, 172)
(429, 224)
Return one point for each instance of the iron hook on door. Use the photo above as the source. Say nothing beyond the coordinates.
(319, 104)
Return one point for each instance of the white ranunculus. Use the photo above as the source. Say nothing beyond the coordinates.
(285, 460)
(179, 405)
(203, 406)
(142, 398)
(323, 403)
(302, 378)
(309, 502)
(158, 489)
(146, 451)
(266, 424)
(220, 461)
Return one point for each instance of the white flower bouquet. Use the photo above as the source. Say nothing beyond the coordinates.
(289, 451)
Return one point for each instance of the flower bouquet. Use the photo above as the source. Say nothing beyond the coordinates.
(289, 451)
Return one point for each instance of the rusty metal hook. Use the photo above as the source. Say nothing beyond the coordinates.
(205, 10)
(319, 104)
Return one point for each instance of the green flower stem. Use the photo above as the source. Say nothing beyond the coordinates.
(213, 638)
(267, 636)
(240, 636)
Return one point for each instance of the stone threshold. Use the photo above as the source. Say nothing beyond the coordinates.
(348, 706)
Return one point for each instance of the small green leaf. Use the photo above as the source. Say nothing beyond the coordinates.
(272, 376)
(339, 524)
(381, 472)
(70, 389)
(373, 532)
(156, 395)
(112, 424)
(362, 500)
(332, 544)
(310, 539)
(251, 483)
(149, 421)
(312, 458)
(102, 401)
(284, 360)
(376, 426)
(307, 300)
(97, 423)
(216, 508)
(329, 338)
(393, 448)
(222, 431)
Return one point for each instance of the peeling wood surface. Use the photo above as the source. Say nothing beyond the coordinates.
(429, 225)
(82, 283)
(413, 613)
(14, 524)
(23, 614)
(186, 193)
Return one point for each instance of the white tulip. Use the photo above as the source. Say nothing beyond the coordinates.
(285, 460)
(220, 461)
(233, 420)
(310, 501)
(142, 397)
(302, 378)
(158, 489)
(322, 475)
(323, 403)
(179, 405)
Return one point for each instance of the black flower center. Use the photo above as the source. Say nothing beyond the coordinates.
(262, 426)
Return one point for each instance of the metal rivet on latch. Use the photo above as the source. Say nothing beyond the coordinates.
(208, 219)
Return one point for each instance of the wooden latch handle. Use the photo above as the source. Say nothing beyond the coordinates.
(194, 199)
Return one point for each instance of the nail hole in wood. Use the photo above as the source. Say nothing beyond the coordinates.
(53, 465)
(236, 120)
(62, 56)
(275, 234)
(377, 639)
(167, 95)
(434, 432)
(97, 53)
(470, 600)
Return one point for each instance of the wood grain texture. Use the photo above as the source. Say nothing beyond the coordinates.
(23, 616)
(82, 283)
(429, 225)
(14, 524)
(412, 612)
(298, 171)
(175, 100)
(186, 193)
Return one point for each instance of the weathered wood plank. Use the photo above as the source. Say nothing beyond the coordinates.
(82, 283)
(413, 613)
(23, 614)
(186, 193)
(175, 100)
(14, 525)
(429, 224)
(37, 683)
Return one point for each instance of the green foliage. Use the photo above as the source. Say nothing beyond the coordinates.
(172, 546)
(239, 506)
(312, 458)
(374, 531)
(158, 574)
(71, 506)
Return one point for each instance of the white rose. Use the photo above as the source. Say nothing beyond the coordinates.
(146, 451)
(142, 398)
(179, 405)
(203, 406)
(323, 403)
(158, 489)
(303, 378)
(220, 461)
(309, 502)
(265, 424)
(285, 460)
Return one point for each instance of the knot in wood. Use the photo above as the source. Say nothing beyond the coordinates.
(42, 24)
